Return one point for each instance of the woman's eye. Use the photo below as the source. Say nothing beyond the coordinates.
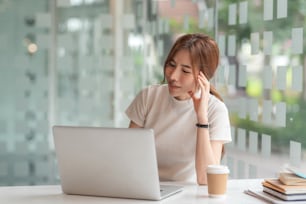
(186, 71)
(171, 64)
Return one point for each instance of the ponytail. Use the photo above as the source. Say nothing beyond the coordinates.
(214, 92)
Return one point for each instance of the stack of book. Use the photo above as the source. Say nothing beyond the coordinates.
(289, 186)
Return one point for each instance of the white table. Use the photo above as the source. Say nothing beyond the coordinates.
(192, 194)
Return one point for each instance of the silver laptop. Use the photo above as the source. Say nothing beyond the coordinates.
(111, 162)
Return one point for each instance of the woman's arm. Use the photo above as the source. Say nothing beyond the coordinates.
(134, 125)
(207, 151)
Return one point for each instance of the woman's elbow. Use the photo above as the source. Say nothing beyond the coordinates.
(202, 180)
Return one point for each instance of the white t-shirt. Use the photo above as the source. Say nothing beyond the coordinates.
(173, 122)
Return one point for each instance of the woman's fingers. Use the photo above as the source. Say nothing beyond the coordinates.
(203, 82)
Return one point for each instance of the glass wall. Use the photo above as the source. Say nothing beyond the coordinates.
(25, 156)
(263, 76)
(81, 62)
(65, 62)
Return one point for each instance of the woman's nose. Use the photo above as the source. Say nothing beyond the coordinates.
(174, 75)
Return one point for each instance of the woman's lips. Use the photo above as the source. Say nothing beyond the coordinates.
(174, 86)
(174, 89)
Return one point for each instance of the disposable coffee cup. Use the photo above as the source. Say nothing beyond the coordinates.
(217, 180)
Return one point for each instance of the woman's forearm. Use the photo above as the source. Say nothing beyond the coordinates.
(205, 155)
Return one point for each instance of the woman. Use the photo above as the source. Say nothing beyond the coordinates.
(188, 117)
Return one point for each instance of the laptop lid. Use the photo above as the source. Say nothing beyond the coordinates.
(112, 162)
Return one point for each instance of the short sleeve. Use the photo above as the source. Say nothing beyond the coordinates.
(136, 111)
(219, 124)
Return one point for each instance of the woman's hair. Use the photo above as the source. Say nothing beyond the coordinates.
(204, 54)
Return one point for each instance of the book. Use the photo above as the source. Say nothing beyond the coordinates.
(283, 196)
(291, 179)
(260, 194)
(275, 184)
(298, 172)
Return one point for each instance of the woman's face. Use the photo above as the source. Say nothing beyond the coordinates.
(179, 75)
